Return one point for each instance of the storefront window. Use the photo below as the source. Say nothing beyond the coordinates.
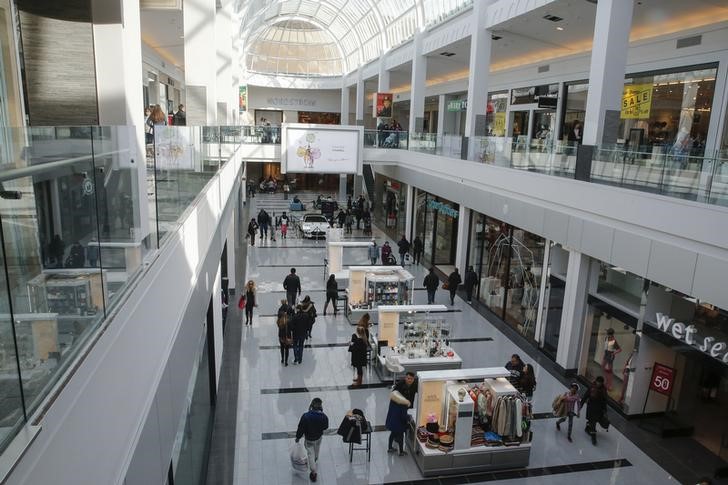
(555, 286)
(665, 112)
(524, 280)
(610, 348)
(436, 224)
(574, 112)
(532, 94)
(496, 113)
(495, 265)
(390, 206)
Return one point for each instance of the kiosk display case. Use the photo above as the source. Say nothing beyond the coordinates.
(371, 286)
(458, 424)
(68, 292)
(412, 337)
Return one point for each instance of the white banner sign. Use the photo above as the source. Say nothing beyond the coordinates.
(321, 148)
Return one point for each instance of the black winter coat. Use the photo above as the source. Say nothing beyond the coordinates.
(300, 325)
(431, 281)
(595, 399)
(358, 349)
(454, 281)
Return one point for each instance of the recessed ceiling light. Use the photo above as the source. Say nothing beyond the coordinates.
(559, 28)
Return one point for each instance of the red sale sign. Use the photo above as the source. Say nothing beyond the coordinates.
(662, 380)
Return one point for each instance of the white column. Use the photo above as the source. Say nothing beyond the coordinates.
(461, 251)
(342, 187)
(217, 321)
(480, 49)
(543, 296)
(359, 99)
(560, 108)
(441, 111)
(200, 64)
(606, 73)
(574, 311)
(419, 79)
(231, 247)
(224, 86)
(344, 103)
(383, 81)
(409, 212)
(118, 58)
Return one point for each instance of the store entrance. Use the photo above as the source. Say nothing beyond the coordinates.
(702, 400)
(518, 129)
(258, 173)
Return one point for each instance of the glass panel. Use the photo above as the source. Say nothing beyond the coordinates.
(574, 112)
(620, 287)
(11, 409)
(609, 354)
(446, 232)
(524, 281)
(57, 298)
(495, 276)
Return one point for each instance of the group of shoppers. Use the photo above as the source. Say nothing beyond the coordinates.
(294, 328)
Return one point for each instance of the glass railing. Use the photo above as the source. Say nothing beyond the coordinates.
(386, 139)
(81, 209)
(652, 169)
(253, 135)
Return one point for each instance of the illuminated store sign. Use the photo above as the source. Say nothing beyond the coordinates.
(444, 208)
(694, 337)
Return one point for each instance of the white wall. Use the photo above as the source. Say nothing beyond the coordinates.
(117, 416)
(319, 100)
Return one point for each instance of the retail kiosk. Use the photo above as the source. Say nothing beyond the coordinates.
(448, 433)
(423, 342)
(371, 286)
(335, 255)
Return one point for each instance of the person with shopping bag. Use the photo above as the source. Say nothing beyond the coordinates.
(565, 407)
(311, 427)
(400, 400)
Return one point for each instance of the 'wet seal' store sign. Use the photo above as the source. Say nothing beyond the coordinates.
(692, 335)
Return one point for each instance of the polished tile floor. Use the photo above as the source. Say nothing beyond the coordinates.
(271, 397)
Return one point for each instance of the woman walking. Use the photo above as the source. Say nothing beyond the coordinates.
(309, 309)
(332, 293)
(284, 226)
(252, 231)
(250, 302)
(285, 334)
(358, 349)
(364, 324)
(566, 407)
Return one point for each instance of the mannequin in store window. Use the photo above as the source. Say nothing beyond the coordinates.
(611, 349)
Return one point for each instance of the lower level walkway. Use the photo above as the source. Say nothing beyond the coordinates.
(271, 397)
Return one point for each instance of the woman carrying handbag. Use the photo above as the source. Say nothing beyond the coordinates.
(285, 335)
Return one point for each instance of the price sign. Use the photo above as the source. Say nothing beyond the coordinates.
(662, 380)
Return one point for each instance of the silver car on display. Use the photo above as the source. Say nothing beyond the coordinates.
(314, 226)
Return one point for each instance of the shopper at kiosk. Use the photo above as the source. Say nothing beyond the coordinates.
(358, 349)
(332, 293)
(400, 400)
(431, 283)
(515, 366)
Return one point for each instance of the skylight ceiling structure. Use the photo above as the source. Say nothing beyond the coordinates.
(361, 30)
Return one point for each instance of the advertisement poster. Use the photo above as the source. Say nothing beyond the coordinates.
(383, 105)
(317, 150)
(499, 124)
(636, 102)
(243, 99)
(173, 148)
(662, 380)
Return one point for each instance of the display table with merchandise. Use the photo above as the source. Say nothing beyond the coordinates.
(423, 342)
(469, 420)
(372, 286)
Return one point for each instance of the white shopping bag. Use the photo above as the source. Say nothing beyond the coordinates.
(299, 457)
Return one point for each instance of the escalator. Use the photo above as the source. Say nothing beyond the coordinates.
(369, 180)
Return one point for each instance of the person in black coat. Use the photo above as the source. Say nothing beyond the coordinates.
(292, 285)
(431, 283)
(404, 247)
(300, 326)
(332, 293)
(595, 399)
(453, 281)
(471, 280)
(309, 309)
(358, 349)
(417, 249)
(285, 333)
(252, 231)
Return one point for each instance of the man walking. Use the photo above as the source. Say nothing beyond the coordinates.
(417, 248)
(300, 327)
(311, 427)
(292, 285)
(471, 279)
(431, 283)
(374, 252)
(404, 247)
(453, 281)
(263, 221)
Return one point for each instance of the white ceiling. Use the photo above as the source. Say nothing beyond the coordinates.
(163, 31)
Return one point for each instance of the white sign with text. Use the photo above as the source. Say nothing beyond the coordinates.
(692, 336)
